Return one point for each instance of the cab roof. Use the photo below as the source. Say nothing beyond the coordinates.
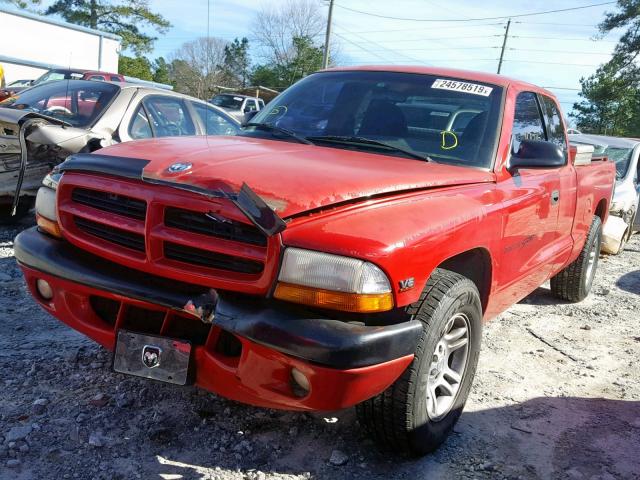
(492, 78)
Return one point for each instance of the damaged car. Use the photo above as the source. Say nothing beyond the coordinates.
(45, 124)
(623, 219)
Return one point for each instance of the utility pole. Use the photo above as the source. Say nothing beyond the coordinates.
(327, 38)
(504, 45)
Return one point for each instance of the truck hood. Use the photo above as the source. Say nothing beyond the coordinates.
(291, 178)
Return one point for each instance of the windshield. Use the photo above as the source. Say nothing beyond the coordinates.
(78, 102)
(53, 75)
(227, 101)
(448, 120)
(620, 155)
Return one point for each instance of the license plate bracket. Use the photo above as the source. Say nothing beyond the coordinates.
(151, 356)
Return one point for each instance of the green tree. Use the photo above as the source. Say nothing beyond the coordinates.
(161, 71)
(236, 65)
(138, 67)
(304, 58)
(26, 4)
(265, 75)
(610, 97)
(126, 18)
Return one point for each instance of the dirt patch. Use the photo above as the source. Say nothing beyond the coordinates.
(557, 395)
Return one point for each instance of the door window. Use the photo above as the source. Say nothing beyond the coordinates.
(215, 123)
(140, 126)
(250, 106)
(169, 116)
(527, 122)
(555, 127)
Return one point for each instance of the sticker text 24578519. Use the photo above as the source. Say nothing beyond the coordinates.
(463, 87)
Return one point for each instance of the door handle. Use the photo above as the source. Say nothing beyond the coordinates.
(555, 197)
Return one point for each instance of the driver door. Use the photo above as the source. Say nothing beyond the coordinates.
(530, 205)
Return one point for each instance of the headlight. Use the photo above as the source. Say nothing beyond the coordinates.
(46, 214)
(333, 281)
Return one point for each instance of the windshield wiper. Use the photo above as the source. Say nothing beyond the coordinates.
(270, 127)
(369, 141)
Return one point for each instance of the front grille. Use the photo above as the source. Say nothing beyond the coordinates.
(111, 202)
(118, 236)
(214, 226)
(167, 232)
(204, 258)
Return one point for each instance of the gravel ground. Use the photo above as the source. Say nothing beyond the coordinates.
(557, 395)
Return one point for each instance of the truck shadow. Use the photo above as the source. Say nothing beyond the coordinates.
(630, 282)
(542, 296)
(544, 437)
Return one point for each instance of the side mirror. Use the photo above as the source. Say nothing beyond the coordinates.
(537, 154)
(248, 116)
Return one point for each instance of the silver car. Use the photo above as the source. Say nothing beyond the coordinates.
(623, 214)
(40, 127)
(238, 105)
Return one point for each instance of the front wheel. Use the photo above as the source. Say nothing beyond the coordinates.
(417, 413)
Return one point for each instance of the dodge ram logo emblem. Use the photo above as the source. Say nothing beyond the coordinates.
(179, 167)
(151, 356)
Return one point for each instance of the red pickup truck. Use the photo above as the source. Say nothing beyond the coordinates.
(344, 250)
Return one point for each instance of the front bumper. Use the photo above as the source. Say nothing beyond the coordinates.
(345, 363)
(613, 233)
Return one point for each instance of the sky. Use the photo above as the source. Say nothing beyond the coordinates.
(553, 50)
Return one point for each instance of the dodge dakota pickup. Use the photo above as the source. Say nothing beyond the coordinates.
(345, 249)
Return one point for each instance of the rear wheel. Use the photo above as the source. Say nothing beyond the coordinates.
(574, 282)
(417, 413)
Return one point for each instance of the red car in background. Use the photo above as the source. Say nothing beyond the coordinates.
(63, 74)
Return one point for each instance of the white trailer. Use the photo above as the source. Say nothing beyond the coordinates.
(31, 44)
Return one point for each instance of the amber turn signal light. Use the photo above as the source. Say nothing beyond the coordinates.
(346, 302)
(49, 226)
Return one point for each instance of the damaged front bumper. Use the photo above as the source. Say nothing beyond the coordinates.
(248, 352)
(613, 234)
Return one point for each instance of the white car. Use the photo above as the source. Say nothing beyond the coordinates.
(40, 127)
(623, 213)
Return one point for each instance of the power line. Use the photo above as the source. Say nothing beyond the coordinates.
(554, 63)
(564, 39)
(360, 47)
(438, 38)
(557, 51)
(384, 48)
(443, 60)
(563, 88)
(438, 49)
(450, 27)
(562, 24)
(475, 19)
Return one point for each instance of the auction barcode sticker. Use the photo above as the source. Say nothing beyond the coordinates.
(463, 87)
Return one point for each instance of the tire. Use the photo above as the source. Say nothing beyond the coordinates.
(574, 282)
(398, 418)
(24, 206)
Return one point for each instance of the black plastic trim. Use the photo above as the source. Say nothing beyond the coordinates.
(327, 342)
(126, 167)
